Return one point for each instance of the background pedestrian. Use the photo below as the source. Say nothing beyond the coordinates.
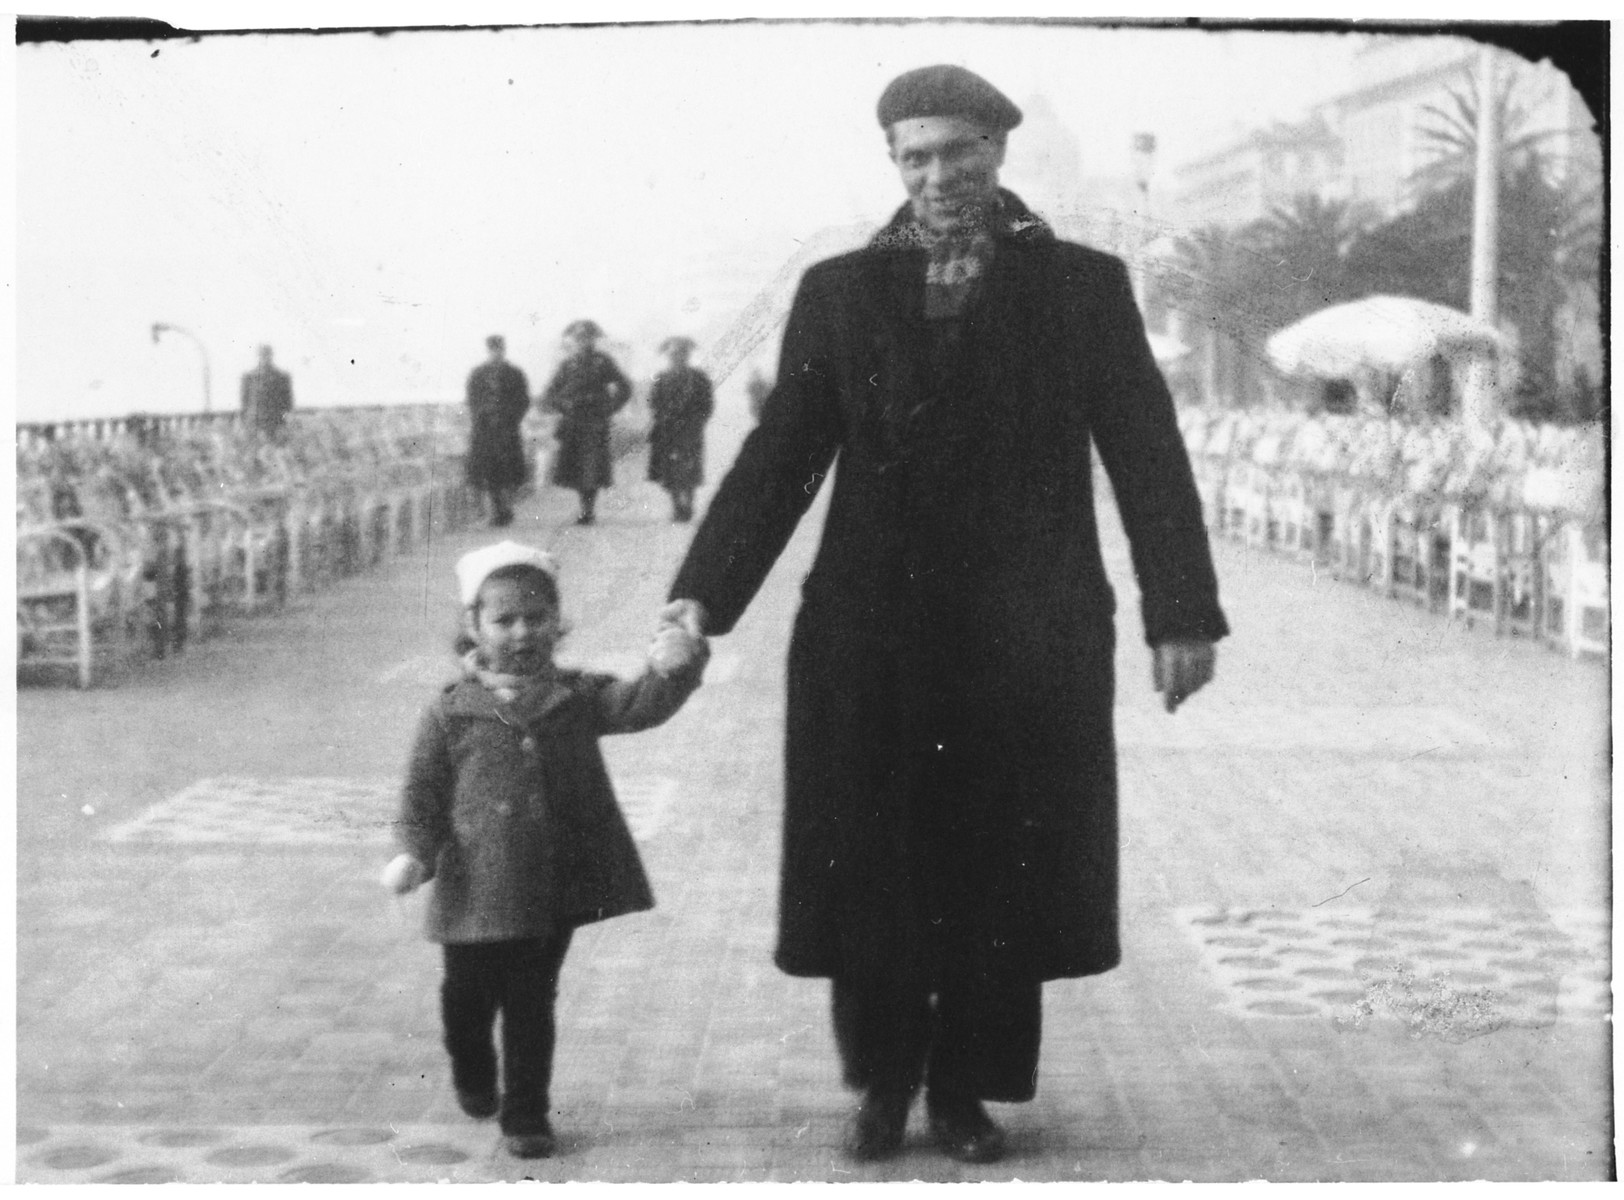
(680, 403)
(498, 398)
(267, 396)
(586, 391)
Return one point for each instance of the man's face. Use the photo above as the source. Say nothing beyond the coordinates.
(949, 166)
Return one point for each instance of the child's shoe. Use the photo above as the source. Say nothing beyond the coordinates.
(531, 1145)
(478, 1105)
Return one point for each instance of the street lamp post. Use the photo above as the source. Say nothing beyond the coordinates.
(160, 327)
(1144, 166)
(1481, 400)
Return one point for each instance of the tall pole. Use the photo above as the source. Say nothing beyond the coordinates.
(163, 327)
(1486, 196)
(1480, 395)
(1144, 166)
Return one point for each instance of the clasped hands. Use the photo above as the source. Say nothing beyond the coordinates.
(679, 639)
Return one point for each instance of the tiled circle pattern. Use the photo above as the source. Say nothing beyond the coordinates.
(248, 1156)
(1451, 973)
(182, 1137)
(106, 1154)
(69, 1158)
(324, 1173)
(144, 1175)
(434, 1153)
(352, 1137)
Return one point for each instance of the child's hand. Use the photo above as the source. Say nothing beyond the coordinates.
(403, 874)
(674, 649)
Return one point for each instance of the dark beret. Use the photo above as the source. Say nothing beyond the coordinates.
(677, 343)
(946, 91)
(583, 328)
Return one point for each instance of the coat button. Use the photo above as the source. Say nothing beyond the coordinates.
(504, 809)
(528, 745)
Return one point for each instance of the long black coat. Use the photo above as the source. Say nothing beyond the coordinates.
(680, 403)
(950, 763)
(586, 391)
(267, 398)
(498, 397)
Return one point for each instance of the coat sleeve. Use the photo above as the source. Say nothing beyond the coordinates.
(551, 394)
(632, 705)
(704, 398)
(425, 811)
(1136, 429)
(517, 400)
(776, 475)
(617, 385)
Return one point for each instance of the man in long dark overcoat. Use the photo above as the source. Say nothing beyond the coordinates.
(267, 396)
(679, 404)
(586, 391)
(498, 397)
(950, 824)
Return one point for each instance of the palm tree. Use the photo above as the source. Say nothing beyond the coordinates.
(1450, 140)
(1220, 284)
(1550, 239)
(1305, 245)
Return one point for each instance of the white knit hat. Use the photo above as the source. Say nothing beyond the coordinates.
(475, 567)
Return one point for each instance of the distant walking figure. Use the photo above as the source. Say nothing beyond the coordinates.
(680, 403)
(498, 397)
(586, 392)
(267, 396)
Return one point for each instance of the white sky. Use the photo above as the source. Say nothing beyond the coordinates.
(391, 200)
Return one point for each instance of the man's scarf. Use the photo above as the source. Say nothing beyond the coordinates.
(956, 263)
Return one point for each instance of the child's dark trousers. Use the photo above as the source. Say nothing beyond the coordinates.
(518, 979)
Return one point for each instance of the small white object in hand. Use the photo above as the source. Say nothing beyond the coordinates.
(88, 811)
(403, 874)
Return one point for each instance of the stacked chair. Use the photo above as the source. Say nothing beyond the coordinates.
(1503, 524)
(136, 536)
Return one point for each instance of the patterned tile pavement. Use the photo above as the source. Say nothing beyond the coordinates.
(1365, 903)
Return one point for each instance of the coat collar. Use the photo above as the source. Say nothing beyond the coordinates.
(894, 257)
(470, 698)
(1012, 222)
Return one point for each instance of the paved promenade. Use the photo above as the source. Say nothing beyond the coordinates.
(1365, 907)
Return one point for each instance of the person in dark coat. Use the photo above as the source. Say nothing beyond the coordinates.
(587, 390)
(508, 809)
(950, 823)
(498, 398)
(267, 396)
(680, 403)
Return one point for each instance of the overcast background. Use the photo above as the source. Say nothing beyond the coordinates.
(373, 206)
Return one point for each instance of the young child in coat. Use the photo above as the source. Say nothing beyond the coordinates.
(508, 809)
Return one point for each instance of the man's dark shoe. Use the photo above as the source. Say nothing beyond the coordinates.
(530, 1145)
(880, 1122)
(962, 1128)
(478, 1105)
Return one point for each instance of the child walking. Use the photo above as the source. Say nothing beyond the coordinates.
(508, 809)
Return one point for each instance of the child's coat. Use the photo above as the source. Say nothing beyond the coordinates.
(509, 805)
